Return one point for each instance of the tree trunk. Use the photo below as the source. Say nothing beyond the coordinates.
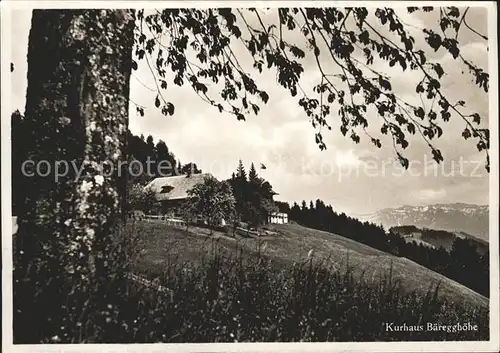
(79, 64)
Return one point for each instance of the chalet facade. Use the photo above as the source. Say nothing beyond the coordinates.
(278, 218)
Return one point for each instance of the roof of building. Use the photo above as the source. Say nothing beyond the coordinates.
(278, 214)
(175, 187)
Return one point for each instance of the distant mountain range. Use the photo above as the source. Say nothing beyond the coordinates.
(457, 217)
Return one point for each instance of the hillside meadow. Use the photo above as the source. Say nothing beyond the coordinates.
(173, 286)
(223, 289)
(163, 245)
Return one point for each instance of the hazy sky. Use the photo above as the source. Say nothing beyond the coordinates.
(354, 178)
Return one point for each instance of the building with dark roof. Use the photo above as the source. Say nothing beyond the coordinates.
(172, 191)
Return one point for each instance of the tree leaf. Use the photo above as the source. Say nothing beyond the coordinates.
(438, 69)
(170, 108)
(434, 40)
(384, 83)
(264, 96)
(419, 112)
(404, 161)
(436, 155)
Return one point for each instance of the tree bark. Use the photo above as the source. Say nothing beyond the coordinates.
(79, 65)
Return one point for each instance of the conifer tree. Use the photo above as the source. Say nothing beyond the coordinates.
(240, 172)
(252, 174)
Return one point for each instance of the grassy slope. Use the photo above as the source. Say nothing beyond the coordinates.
(163, 244)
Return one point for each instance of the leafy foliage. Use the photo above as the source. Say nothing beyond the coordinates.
(142, 199)
(213, 201)
(195, 46)
(189, 213)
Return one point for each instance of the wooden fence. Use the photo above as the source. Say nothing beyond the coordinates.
(176, 222)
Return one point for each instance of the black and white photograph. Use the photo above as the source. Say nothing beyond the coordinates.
(211, 176)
